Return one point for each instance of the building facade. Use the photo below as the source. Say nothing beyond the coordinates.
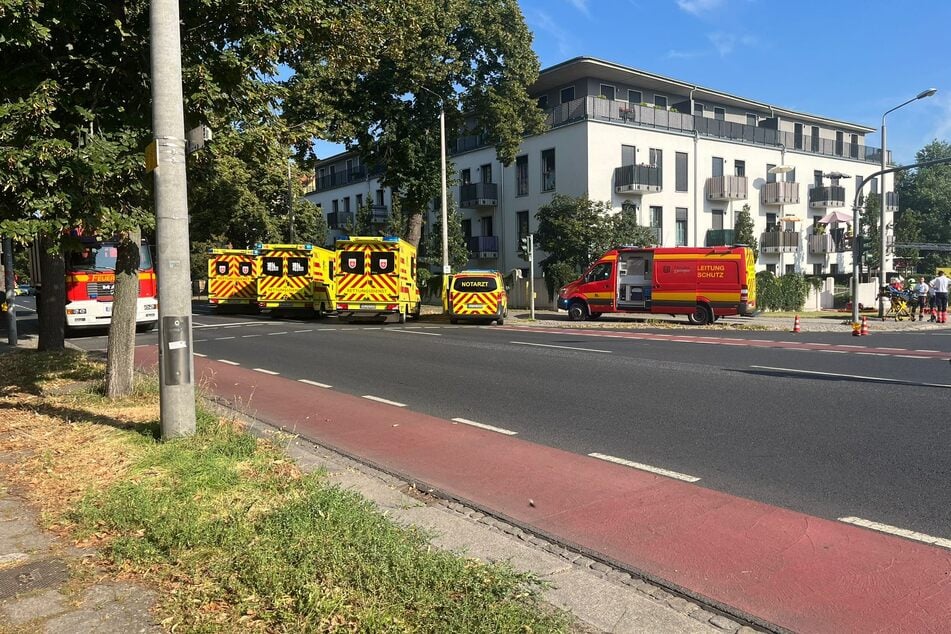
(683, 158)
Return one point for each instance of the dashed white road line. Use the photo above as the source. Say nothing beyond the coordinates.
(413, 332)
(222, 338)
(646, 467)
(263, 371)
(547, 345)
(308, 330)
(466, 421)
(198, 354)
(383, 400)
(249, 336)
(901, 532)
(228, 362)
(851, 376)
(314, 383)
(271, 334)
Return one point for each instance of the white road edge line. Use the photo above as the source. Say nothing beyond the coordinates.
(228, 362)
(901, 532)
(851, 376)
(383, 400)
(315, 383)
(646, 467)
(263, 371)
(547, 345)
(198, 354)
(466, 421)
(413, 332)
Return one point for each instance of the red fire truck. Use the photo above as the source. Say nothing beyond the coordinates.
(91, 280)
(701, 283)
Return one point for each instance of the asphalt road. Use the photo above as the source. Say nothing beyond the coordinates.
(813, 422)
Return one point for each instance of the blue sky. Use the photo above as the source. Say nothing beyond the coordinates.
(844, 59)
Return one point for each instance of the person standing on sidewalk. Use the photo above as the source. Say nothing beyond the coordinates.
(921, 289)
(931, 307)
(940, 286)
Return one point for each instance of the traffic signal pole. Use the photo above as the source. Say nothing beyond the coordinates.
(176, 364)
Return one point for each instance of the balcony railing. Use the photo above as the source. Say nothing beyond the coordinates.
(779, 242)
(821, 244)
(891, 201)
(726, 188)
(379, 213)
(719, 237)
(780, 193)
(637, 179)
(831, 196)
(339, 219)
(478, 195)
(645, 116)
(482, 247)
(341, 178)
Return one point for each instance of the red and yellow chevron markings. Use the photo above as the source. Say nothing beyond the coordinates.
(231, 276)
(475, 303)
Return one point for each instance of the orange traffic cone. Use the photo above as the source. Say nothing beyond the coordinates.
(864, 326)
(796, 327)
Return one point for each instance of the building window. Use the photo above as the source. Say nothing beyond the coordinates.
(790, 269)
(717, 166)
(771, 268)
(628, 155)
(817, 268)
(543, 102)
(467, 228)
(817, 177)
(379, 197)
(833, 268)
(465, 176)
(698, 109)
(521, 175)
(770, 177)
(719, 114)
(681, 217)
(548, 170)
(739, 168)
(854, 146)
(815, 138)
(607, 91)
(657, 217)
(656, 157)
(567, 94)
(770, 222)
(521, 221)
(335, 205)
(680, 180)
(660, 101)
(717, 219)
(359, 201)
(797, 136)
(634, 97)
(485, 173)
(874, 186)
(751, 119)
(346, 204)
(839, 140)
(486, 222)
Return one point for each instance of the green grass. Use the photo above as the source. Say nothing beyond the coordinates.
(29, 370)
(227, 521)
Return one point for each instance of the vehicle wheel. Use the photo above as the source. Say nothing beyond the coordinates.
(594, 316)
(401, 317)
(500, 321)
(701, 315)
(419, 310)
(321, 311)
(577, 311)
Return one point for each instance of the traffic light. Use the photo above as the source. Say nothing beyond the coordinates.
(525, 247)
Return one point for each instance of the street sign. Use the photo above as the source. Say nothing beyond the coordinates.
(196, 138)
(151, 157)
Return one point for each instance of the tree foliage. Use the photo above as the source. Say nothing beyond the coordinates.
(925, 206)
(744, 231)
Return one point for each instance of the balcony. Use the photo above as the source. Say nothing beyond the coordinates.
(891, 201)
(719, 238)
(638, 179)
(821, 244)
(824, 197)
(483, 247)
(780, 193)
(779, 242)
(379, 214)
(341, 178)
(472, 195)
(726, 188)
(339, 219)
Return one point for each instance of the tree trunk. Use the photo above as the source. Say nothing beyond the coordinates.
(51, 309)
(414, 228)
(120, 363)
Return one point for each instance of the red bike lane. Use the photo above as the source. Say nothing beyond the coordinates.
(782, 569)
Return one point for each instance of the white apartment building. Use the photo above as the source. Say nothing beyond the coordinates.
(684, 158)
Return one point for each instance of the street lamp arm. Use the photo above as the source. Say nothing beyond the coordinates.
(897, 107)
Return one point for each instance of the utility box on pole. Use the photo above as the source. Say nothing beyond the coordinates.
(176, 363)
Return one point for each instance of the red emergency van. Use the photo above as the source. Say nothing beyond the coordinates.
(701, 283)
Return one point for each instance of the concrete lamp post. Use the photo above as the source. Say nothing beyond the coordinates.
(442, 155)
(882, 224)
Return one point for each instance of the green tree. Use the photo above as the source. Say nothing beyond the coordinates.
(624, 230)
(925, 197)
(871, 215)
(744, 232)
(458, 249)
(471, 57)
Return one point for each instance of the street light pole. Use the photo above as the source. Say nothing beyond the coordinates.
(290, 204)
(442, 161)
(883, 231)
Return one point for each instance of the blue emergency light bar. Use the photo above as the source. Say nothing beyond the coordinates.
(391, 239)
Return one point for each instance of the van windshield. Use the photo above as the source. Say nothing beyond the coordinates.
(481, 284)
(101, 256)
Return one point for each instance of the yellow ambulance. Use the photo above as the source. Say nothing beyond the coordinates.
(231, 277)
(476, 295)
(294, 277)
(376, 277)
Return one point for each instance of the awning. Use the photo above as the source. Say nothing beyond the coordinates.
(834, 217)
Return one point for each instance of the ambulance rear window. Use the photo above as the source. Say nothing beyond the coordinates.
(221, 267)
(474, 284)
(296, 267)
(351, 262)
(272, 267)
(382, 263)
